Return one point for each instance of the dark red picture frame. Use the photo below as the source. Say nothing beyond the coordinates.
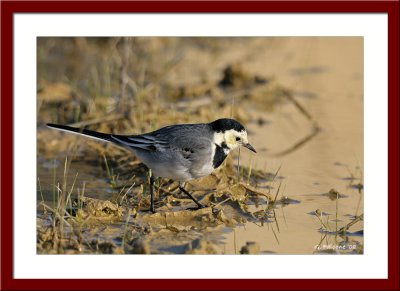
(8, 8)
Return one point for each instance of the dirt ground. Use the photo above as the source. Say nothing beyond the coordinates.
(300, 98)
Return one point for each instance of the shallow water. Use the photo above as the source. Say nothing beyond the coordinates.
(328, 160)
(327, 80)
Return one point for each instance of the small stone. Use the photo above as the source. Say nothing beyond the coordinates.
(139, 246)
(251, 248)
(333, 194)
(200, 246)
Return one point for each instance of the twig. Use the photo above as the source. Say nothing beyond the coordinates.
(351, 223)
(298, 144)
(254, 190)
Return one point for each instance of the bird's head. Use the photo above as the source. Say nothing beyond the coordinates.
(230, 134)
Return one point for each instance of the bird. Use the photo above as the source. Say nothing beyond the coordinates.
(181, 152)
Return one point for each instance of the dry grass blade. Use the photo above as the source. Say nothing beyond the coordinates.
(276, 237)
(103, 119)
(277, 192)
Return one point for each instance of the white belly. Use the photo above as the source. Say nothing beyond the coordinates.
(165, 168)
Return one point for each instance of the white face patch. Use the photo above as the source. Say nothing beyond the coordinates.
(219, 138)
(229, 138)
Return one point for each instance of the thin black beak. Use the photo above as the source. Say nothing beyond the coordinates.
(250, 147)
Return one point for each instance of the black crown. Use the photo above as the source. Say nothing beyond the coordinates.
(224, 124)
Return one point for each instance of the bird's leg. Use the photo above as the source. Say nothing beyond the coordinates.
(181, 187)
(152, 179)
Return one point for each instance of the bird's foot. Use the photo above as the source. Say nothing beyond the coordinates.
(200, 206)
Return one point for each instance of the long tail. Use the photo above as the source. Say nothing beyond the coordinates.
(133, 142)
(86, 132)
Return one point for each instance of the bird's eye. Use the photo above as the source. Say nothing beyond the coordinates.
(237, 138)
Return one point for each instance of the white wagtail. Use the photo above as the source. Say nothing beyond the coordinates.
(180, 152)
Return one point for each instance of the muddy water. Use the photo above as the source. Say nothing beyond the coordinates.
(326, 77)
(328, 80)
